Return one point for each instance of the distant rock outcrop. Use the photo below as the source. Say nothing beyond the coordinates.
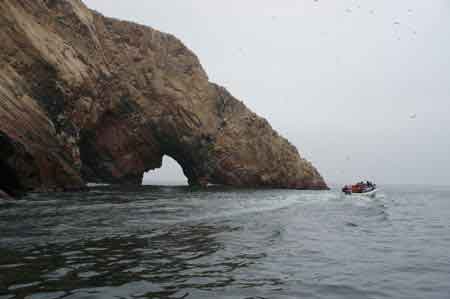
(4, 195)
(89, 98)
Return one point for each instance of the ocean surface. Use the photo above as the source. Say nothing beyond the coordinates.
(174, 242)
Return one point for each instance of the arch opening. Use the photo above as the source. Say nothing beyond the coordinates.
(170, 174)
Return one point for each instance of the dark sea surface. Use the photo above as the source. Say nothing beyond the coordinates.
(173, 242)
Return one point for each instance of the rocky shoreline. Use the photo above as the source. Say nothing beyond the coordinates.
(86, 98)
(4, 195)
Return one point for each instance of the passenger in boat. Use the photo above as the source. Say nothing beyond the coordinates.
(371, 185)
(347, 189)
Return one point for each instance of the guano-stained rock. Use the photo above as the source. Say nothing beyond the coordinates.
(86, 98)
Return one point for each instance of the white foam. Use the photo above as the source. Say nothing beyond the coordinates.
(91, 185)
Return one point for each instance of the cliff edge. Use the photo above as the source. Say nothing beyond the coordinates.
(86, 98)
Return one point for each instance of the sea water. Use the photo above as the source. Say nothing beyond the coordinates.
(175, 242)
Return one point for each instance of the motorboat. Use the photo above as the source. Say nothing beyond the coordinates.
(361, 188)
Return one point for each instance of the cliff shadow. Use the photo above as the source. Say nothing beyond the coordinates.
(9, 176)
(9, 181)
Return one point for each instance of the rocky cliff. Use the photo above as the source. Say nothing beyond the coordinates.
(86, 98)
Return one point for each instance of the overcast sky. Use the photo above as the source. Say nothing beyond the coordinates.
(362, 88)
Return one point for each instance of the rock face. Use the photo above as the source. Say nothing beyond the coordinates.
(4, 195)
(85, 98)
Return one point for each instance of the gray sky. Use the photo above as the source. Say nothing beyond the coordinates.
(360, 87)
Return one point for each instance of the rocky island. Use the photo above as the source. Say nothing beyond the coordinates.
(86, 98)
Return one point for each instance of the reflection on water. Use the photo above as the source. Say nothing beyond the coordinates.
(159, 263)
(223, 243)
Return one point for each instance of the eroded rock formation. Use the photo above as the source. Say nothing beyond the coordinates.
(4, 195)
(86, 98)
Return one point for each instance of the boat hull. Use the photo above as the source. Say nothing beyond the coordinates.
(372, 193)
